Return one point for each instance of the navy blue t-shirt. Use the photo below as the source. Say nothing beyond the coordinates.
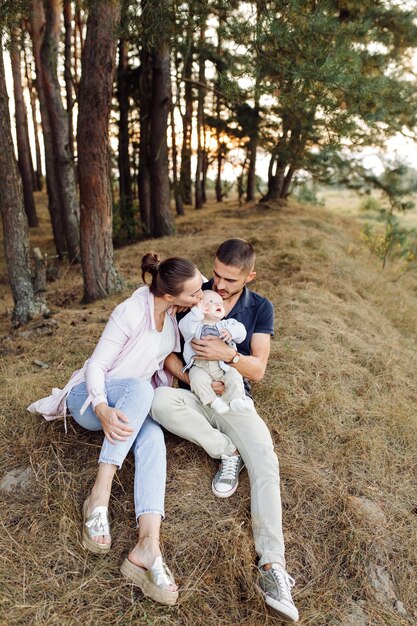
(256, 313)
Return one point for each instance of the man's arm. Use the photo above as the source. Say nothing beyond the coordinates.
(251, 367)
(174, 366)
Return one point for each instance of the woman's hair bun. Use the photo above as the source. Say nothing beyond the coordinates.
(150, 265)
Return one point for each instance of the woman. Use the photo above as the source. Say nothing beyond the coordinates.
(113, 392)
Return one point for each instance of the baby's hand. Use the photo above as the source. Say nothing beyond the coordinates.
(225, 334)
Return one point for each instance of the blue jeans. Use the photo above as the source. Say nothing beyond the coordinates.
(134, 397)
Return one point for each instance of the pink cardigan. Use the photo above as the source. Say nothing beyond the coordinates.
(126, 349)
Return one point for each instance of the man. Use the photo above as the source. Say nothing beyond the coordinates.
(238, 439)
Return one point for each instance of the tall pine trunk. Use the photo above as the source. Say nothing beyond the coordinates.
(58, 119)
(219, 156)
(187, 117)
(125, 178)
(37, 181)
(199, 173)
(144, 176)
(27, 303)
(161, 217)
(68, 71)
(22, 134)
(94, 101)
(179, 205)
(253, 147)
(54, 201)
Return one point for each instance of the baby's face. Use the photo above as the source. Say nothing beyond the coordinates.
(213, 305)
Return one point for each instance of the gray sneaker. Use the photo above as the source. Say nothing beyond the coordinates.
(226, 480)
(275, 585)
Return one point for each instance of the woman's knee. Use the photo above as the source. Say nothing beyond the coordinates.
(150, 436)
(140, 390)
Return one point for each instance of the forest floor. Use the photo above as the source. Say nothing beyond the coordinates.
(340, 399)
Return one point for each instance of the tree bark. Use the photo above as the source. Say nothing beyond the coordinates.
(37, 181)
(59, 126)
(161, 218)
(287, 182)
(125, 178)
(27, 303)
(253, 148)
(276, 182)
(54, 202)
(22, 135)
(219, 158)
(185, 170)
(199, 173)
(68, 72)
(144, 177)
(95, 93)
(179, 206)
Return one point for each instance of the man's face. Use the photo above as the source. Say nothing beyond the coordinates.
(213, 305)
(229, 280)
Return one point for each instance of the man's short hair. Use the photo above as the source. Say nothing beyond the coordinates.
(237, 253)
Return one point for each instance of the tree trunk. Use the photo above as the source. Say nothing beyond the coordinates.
(27, 303)
(251, 180)
(22, 134)
(287, 182)
(68, 72)
(179, 206)
(219, 158)
(252, 148)
(95, 94)
(199, 173)
(37, 181)
(204, 175)
(144, 180)
(161, 217)
(54, 203)
(59, 126)
(276, 182)
(125, 179)
(185, 171)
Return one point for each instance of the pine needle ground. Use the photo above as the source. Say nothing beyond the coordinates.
(339, 397)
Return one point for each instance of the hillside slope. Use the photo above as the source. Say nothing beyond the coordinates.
(339, 396)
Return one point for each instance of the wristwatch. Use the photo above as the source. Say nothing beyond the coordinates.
(236, 358)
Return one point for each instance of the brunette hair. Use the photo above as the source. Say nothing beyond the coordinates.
(166, 277)
(237, 253)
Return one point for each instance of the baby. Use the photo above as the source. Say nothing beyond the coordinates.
(204, 320)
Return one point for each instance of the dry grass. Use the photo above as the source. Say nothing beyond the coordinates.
(339, 396)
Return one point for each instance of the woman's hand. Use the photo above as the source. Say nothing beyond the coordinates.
(114, 423)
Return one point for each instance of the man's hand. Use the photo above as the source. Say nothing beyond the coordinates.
(114, 423)
(212, 349)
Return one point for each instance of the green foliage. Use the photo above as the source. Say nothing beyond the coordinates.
(327, 72)
(305, 191)
(370, 203)
(11, 14)
(392, 241)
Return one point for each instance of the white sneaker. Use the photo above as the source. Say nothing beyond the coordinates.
(275, 585)
(219, 406)
(226, 480)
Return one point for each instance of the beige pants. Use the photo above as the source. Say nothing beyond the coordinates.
(202, 374)
(182, 413)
